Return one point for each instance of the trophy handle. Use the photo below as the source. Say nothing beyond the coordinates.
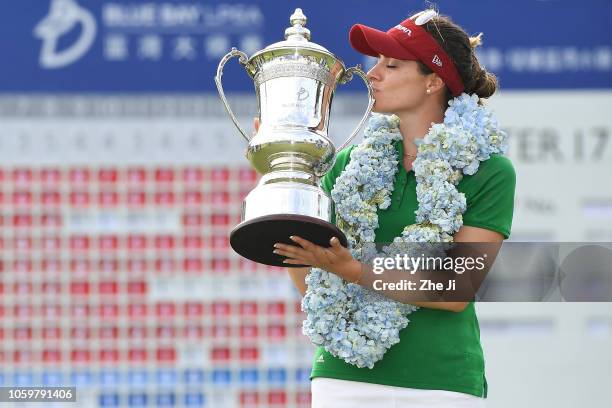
(348, 75)
(242, 59)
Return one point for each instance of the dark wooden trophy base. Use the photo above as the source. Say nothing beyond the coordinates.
(255, 239)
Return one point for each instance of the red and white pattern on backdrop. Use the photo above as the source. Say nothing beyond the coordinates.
(97, 266)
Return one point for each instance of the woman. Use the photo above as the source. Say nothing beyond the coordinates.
(423, 63)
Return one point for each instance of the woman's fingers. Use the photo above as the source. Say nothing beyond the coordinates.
(288, 250)
(308, 253)
(304, 243)
(255, 126)
(296, 262)
(295, 255)
(309, 246)
(336, 247)
(295, 252)
(320, 253)
(333, 253)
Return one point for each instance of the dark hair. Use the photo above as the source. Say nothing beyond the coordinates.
(460, 47)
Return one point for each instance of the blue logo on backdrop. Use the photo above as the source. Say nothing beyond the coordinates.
(63, 16)
(175, 45)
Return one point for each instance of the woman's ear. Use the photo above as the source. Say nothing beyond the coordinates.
(434, 83)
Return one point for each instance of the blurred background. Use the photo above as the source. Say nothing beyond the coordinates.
(121, 176)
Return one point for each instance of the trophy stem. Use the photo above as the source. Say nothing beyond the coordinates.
(279, 176)
(277, 209)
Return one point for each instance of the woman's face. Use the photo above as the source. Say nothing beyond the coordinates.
(398, 85)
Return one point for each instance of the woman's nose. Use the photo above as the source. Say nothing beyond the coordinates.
(372, 74)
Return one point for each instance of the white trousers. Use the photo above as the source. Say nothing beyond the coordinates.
(333, 393)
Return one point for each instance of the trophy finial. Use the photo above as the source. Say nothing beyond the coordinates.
(297, 31)
(298, 18)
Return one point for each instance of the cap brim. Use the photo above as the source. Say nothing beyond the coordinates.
(373, 42)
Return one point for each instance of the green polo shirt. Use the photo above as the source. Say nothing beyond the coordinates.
(438, 350)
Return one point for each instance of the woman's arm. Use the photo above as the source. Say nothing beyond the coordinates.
(298, 276)
(474, 234)
(485, 242)
(337, 259)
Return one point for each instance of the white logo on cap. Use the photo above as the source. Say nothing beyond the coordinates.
(436, 60)
(405, 30)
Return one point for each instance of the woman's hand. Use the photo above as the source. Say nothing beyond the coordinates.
(335, 259)
(256, 124)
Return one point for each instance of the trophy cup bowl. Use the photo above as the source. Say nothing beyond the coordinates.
(294, 81)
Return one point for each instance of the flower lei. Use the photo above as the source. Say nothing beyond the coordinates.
(358, 324)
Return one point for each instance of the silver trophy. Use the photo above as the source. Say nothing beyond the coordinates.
(295, 81)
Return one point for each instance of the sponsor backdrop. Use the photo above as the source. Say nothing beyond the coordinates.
(121, 177)
(174, 46)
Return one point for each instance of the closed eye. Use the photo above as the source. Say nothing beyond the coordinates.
(391, 66)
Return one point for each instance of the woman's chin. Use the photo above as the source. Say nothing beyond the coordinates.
(376, 109)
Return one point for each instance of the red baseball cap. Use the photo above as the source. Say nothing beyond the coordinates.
(408, 41)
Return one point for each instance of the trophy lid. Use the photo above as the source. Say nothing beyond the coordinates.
(296, 36)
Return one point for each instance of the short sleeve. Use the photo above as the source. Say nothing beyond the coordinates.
(342, 159)
(328, 181)
(490, 195)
